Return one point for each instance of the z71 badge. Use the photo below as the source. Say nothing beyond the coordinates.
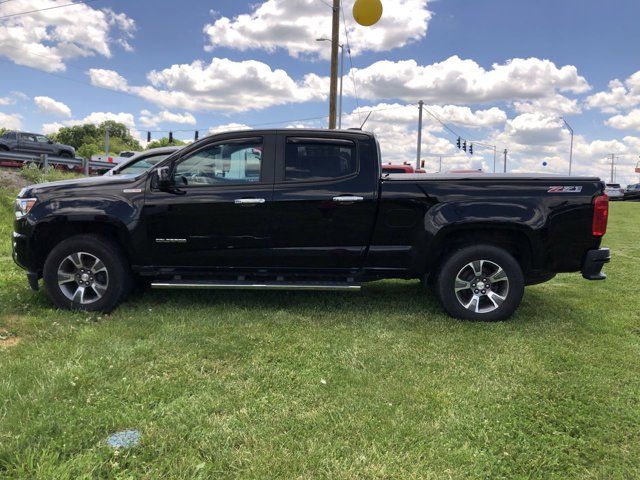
(565, 189)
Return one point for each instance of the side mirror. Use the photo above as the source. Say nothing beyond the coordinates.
(164, 178)
(50, 142)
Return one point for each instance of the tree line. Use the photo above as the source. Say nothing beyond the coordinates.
(88, 139)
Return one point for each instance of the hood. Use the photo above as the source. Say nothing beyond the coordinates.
(77, 183)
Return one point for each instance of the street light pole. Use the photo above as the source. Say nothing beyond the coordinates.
(418, 150)
(571, 147)
(341, 76)
(333, 85)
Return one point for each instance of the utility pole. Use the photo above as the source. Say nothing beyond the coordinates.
(420, 105)
(613, 161)
(333, 86)
(571, 147)
(505, 160)
(440, 165)
(106, 142)
(341, 75)
(495, 151)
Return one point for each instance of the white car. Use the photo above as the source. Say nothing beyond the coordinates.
(614, 191)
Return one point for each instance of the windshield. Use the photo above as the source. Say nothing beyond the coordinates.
(142, 165)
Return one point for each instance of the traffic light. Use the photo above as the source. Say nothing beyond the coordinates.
(170, 137)
(148, 137)
(195, 137)
(464, 145)
(471, 149)
(458, 143)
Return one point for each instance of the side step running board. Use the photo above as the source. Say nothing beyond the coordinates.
(317, 286)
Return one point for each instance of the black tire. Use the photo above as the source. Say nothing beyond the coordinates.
(65, 154)
(494, 301)
(108, 288)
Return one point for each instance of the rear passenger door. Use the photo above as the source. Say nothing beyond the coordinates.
(324, 201)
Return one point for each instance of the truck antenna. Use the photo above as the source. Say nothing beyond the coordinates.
(365, 120)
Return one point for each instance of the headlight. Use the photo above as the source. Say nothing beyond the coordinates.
(23, 206)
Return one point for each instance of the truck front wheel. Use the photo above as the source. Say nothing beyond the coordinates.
(86, 272)
(481, 283)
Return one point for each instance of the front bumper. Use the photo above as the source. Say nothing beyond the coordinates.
(593, 263)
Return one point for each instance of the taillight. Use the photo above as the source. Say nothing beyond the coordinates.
(600, 215)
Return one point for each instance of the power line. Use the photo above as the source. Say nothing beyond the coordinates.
(43, 9)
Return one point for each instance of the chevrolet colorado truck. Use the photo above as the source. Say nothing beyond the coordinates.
(309, 210)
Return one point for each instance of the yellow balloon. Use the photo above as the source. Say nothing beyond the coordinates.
(367, 12)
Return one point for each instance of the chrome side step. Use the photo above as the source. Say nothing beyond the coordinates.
(313, 286)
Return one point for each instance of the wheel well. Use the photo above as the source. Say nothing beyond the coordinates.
(47, 236)
(514, 241)
(4, 148)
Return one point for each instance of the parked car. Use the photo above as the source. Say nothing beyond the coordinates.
(34, 143)
(614, 191)
(403, 168)
(632, 192)
(143, 161)
(307, 210)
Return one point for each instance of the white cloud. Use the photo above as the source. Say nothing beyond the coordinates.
(6, 100)
(621, 96)
(10, 121)
(456, 80)
(558, 104)
(535, 129)
(630, 121)
(49, 106)
(108, 79)
(220, 85)
(46, 39)
(229, 127)
(295, 25)
(148, 119)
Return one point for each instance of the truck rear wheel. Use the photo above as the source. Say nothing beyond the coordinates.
(480, 283)
(86, 272)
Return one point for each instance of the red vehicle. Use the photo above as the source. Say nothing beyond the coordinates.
(404, 168)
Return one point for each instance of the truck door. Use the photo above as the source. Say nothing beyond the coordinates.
(324, 201)
(221, 218)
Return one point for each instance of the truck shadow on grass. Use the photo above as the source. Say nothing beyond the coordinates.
(406, 301)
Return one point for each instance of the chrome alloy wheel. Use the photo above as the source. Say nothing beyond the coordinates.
(83, 278)
(481, 286)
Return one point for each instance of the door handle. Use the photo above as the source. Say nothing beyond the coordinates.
(347, 198)
(248, 201)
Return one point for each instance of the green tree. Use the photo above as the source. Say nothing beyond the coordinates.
(2, 130)
(86, 150)
(88, 134)
(164, 142)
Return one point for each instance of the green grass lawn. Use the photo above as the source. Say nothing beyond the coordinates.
(379, 384)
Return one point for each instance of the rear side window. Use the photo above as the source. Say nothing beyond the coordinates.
(9, 136)
(317, 160)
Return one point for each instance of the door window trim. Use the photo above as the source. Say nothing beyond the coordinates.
(327, 140)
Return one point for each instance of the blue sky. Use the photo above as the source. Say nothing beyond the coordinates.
(232, 64)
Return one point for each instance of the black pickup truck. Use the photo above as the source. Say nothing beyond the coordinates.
(307, 209)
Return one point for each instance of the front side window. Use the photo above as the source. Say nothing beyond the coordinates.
(322, 160)
(9, 136)
(232, 162)
(42, 139)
